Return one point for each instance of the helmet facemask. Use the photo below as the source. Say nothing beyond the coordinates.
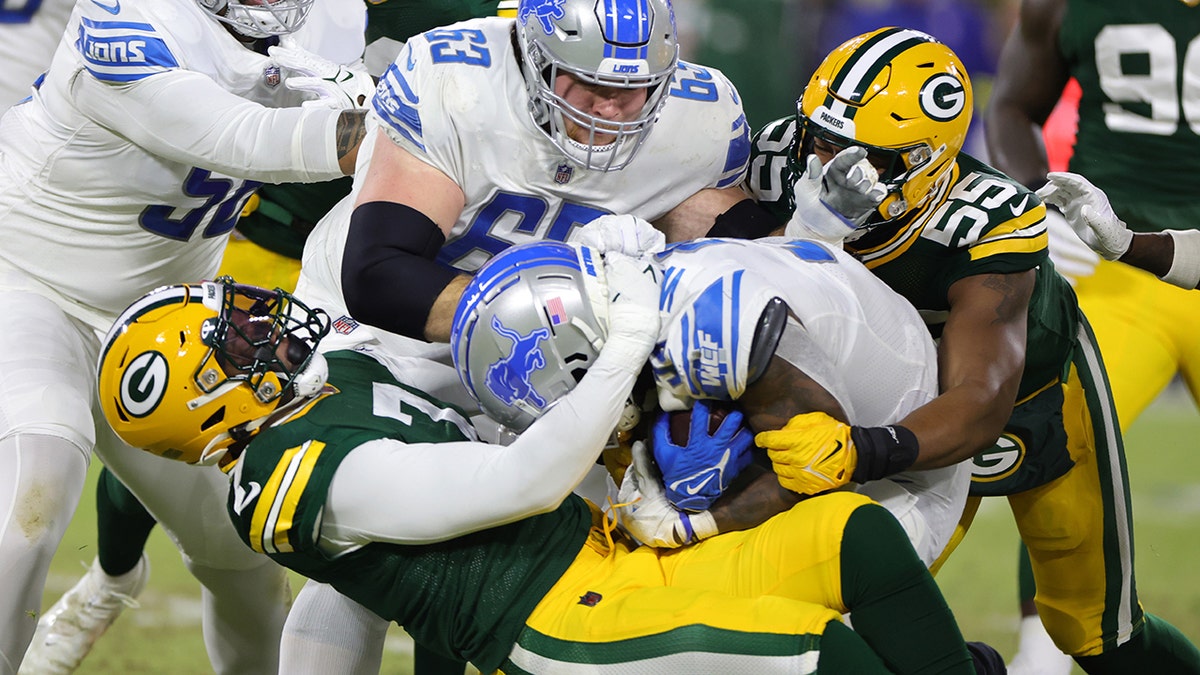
(260, 18)
(191, 371)
(626, 44)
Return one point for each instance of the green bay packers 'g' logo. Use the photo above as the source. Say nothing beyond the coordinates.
(999, 461)
(143, 383)
(943, 97)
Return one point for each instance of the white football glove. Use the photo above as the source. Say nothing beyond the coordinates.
(1072, 257)
(1088, 212)
(334, 85)
(633, 316)
(644, 512)
(625, 234)
(832, 201)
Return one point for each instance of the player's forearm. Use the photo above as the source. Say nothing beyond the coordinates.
(441, 315)
(197, 122)
(960, 423)
(751, 500)
(351, 128)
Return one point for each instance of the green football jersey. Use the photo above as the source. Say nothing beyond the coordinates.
(286, 213)
(465, 598)
(979, 222)
(1138, 64)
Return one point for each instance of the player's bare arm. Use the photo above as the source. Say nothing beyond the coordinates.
(1018, 107)
(401, 218)
(351, 127)
(695, 216)
(980, 359)
(782, 392)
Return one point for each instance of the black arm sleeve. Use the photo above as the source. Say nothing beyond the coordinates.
(389, 277)
(744, 220)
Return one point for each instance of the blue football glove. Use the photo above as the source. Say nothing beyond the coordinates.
(696, 474)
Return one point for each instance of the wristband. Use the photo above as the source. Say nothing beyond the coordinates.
(882, 451)
(1185, 265)
(699, 525)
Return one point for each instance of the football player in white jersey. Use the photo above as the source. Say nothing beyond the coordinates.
(125, 171)
(492, 132)
(495, 131)
(781, 327)
(28, 36)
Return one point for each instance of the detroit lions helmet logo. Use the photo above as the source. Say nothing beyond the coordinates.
(509, 377)
(545, 11)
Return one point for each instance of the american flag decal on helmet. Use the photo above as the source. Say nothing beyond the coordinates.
(556, 311)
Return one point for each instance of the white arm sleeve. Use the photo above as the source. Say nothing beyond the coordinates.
(389, 491)
(186, 117)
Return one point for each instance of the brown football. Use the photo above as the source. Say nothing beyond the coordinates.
(680, 423)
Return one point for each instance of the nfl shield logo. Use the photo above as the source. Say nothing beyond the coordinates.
(271, 76)
(344, 325)
(563, 174)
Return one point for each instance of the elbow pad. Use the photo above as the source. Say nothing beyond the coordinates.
(389, 277)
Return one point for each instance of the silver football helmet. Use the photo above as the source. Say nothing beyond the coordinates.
(629, 44)
(527, 328)
(260, 18)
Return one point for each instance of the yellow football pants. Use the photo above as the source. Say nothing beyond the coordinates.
(1147, 330)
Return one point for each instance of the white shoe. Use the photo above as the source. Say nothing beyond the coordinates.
(66, 632)
(1036, 652)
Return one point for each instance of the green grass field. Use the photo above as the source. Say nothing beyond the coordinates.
(163, 635)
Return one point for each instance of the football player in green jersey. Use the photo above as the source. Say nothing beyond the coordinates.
(1023, 390)
(1134, 71)
(343, 473)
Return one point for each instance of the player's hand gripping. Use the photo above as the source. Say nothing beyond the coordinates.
(633, 317)
(644, 512)
(1088, 212)
(334, 85)
(815, 453)
(697, 473)
(625, 234)
(833, 200)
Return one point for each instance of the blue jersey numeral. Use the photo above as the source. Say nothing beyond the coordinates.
(226, 195)
(22, 14)
(529, 210)
(459, 46)
(694, 82)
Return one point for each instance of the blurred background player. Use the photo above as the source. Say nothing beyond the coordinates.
(1131, 66)
(967, 246)
(109, 174)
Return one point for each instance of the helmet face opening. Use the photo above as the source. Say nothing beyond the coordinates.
(901, 95)
(620, 44)
(189, 370)
(528, 327)
(260, 18)
(259, 333)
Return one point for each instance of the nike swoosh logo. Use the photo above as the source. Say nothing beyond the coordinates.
(111, 9)
(242, 497)
(1016, 210)
(693, 489)
(708, 474)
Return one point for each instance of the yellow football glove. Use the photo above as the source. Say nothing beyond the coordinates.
(813, 453)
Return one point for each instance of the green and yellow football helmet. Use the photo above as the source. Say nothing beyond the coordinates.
(189, 370)
(900, 94)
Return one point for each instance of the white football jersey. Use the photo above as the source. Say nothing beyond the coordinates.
(862, 342)
(130, 164)
(29, 32)
(456, 98)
